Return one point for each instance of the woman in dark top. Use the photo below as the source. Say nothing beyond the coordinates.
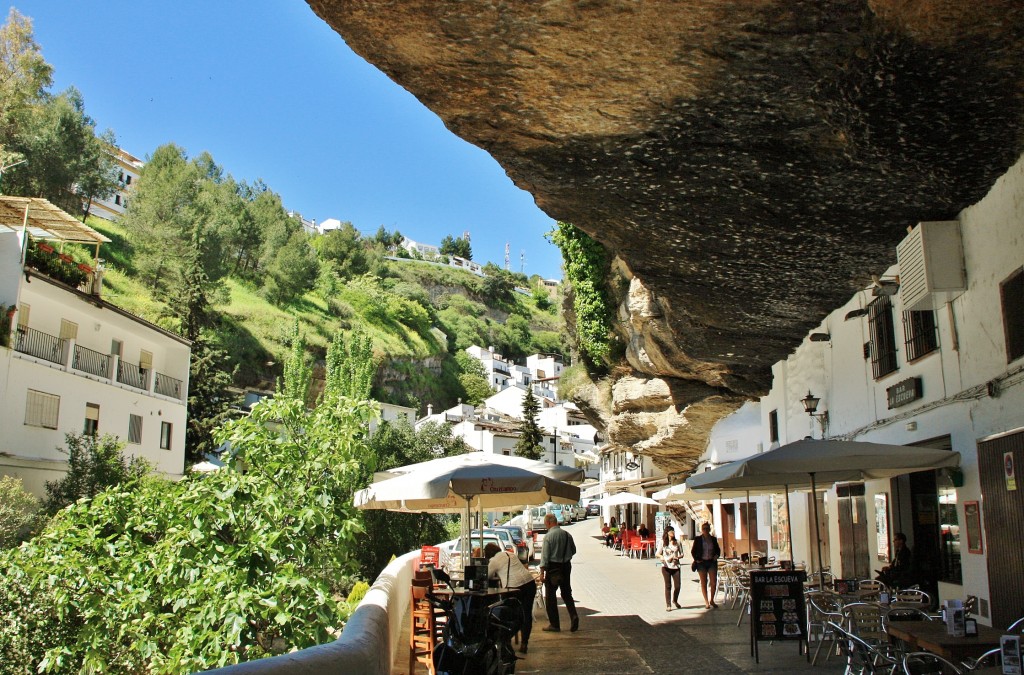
(706, 552)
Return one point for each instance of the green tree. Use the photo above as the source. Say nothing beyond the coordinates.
(291, 271)
(209, 397)
(18, 511)
(586, 264)
(351, 366)
(389, 534)
(298, 371)
(342, 250)
(162, 216)
(94, 464)
(473, 379)
(530, 435)
(24, 76)
(207, 571)
(459, 247)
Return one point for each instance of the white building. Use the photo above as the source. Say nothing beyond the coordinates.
(426, 251)
(73, 363)
(932, 354)
(129, 168)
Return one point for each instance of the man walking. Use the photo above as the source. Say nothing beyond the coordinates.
(555, 569)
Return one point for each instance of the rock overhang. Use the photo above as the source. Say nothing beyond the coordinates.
(751, 163)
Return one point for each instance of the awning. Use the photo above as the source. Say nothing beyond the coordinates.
(45, 221)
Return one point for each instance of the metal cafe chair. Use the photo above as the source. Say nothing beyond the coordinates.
(993, 658)
(824, 608)
(1016, 627)
(871, 589)
(862, 658)
(910, 597)
(926, 663)
(864, 619)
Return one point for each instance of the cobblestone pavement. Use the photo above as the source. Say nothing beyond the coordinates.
(624, 627)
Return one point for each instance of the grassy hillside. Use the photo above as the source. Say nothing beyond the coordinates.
(416, 314)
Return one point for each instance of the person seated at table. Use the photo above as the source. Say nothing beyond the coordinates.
(510, 573)
(611, 536)
(643, 531)
(899, 573)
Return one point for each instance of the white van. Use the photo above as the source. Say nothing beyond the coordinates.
(537, 514)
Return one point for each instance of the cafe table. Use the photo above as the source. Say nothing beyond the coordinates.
(931, 636)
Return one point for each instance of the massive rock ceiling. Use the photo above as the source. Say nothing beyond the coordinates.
(750, 163)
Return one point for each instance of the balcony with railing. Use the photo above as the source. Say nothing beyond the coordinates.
(40, 345)
(90, 361)
(168, 386)
(132, 375)
(78, 359)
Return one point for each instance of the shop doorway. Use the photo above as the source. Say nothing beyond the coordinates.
(854, 559)
(1001, 527)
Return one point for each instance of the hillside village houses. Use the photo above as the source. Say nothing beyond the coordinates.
(493, 426)
(128, 167)
(930, 354)
(71, 362)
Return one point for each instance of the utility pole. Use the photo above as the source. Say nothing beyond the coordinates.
(556, 445)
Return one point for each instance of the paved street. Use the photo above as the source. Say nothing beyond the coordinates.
(624, 627)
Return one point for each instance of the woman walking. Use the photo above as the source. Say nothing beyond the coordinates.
(670, 554)
(706, 552)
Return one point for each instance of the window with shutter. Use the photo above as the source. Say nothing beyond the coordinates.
(68, 330)
(135, 429)
(919, 334)
(23, 312)
(883, 337)
(1011, 292)
(92, 419)
(42, 409)
(145, 360)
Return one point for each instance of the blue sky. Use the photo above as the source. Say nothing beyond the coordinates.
(272, 92)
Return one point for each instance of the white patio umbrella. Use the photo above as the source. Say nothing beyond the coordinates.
(452, 488)
(566, 474)
(811, 462)
(623, 498)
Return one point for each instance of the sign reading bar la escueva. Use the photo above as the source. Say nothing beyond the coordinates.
(905, 392)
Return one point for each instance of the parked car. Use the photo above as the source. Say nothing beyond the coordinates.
(537, 514)
(593, 508)
(561, 514)
(524, 544)
(455, 558)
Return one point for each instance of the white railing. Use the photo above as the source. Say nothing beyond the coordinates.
(367, 645)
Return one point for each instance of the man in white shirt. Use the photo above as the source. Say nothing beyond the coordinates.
(510, 573)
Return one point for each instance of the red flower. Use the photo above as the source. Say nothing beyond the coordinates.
(85, 268)
(45, 248)
(66, 258)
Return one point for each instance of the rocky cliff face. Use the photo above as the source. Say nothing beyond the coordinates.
(750, 163)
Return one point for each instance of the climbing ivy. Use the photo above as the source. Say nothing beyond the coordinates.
(585, 266)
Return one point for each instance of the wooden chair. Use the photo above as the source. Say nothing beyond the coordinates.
(911, 597)
(926, 663)
(864, 619)
(423, 627)
(871, 589)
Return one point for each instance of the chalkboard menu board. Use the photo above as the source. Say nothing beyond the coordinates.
(777, 607)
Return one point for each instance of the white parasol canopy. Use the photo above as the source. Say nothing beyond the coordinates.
(623, 498)
(566, 474)
(813, 462)
(449, 489)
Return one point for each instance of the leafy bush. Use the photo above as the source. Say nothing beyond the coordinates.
(214, 569)
(357, 594)
(18, 511)
(585, 268)
(94, 464)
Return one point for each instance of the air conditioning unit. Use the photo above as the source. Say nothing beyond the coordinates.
(931, 260)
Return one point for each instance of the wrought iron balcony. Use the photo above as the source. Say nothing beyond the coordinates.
(168, 386)
(40, 345)
(92, 362)
(132, 375)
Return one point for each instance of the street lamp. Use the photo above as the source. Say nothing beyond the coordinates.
(811, 406)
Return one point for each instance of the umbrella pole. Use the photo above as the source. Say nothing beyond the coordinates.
(750, 533)
(789, 525)
(817, 531)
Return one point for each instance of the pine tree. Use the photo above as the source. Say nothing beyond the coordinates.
(530, 436)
